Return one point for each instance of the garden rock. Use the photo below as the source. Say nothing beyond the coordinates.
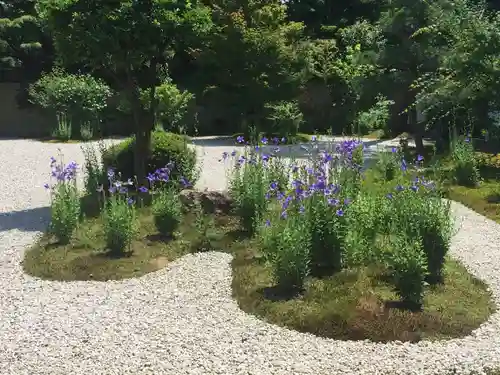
(210, 201)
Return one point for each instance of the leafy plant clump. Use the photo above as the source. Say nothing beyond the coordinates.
(466, 171)
(65, 200)
(167, 207)
(316, 207)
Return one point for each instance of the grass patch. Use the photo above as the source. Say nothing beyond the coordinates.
(86, 258)
(359, 304)
(484, 199)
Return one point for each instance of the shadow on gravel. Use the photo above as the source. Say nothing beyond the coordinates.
(34, 220)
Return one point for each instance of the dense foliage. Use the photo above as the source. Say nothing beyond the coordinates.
(395, 66)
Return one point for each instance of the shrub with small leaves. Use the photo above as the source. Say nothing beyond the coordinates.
(325, 223)
(167, 205)
(203, 223)
(64, 127)
(86, 130)
(248, 185)
(418, 211)
(166, 148)
(80, 97)
(95, 175)
(364, 224)
(285, 118)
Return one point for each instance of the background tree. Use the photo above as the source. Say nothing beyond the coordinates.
(251, 60)
(465, 87)
(25, 49)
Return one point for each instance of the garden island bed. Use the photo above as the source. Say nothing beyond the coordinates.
(325, 248)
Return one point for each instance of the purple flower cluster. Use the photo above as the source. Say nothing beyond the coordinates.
(264, 140)
(315, 181)
(348, 147)
(117, 186)
(417, 182)
(318, 184)
(62, 173)
(161, 175)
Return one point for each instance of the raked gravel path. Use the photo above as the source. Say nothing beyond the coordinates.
(182, 319)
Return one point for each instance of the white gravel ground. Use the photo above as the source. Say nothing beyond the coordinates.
(182, 319)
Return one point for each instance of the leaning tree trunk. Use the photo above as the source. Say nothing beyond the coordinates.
(144, 120)
(142, 140)
(416, 128)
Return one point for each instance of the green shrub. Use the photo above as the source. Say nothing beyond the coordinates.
(119, 220)
(465, 167)
(248, 184)
(86, 130)
(63, 130)
(165, 148)
(173, 110)
(95, 174)
(119, 215)
(325, 225)
(374, 118)
(365, 222)
(203, 223)
(419, 212)
(286, 248)
(388, 163)
(167, 211)
(285, 117)
(408, 269)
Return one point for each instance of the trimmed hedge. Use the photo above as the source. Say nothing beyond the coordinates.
(165, 148)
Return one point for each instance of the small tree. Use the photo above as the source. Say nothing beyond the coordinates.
(286, 118)
(130, 41)
(172, 106)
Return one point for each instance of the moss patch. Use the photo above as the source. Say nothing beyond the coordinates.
(86, 258)
(358, 304)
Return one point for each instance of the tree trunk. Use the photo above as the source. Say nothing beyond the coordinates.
(416, 128)
(141, 138)
(419, 139)
(144, 120)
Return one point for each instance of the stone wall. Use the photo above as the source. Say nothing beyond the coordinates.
(16, 122)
